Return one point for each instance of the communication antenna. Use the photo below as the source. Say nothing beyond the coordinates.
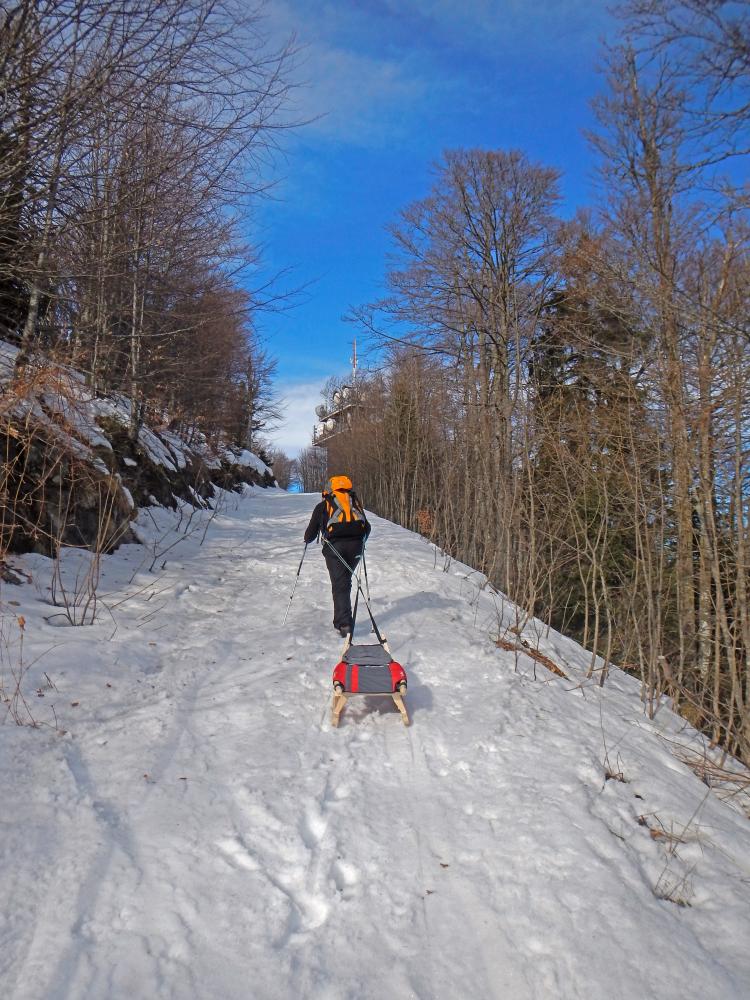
(354, 361)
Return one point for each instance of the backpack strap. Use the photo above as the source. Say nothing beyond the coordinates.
(335, 508)
(357, 505)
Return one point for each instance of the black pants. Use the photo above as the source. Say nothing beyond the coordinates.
(350, 550)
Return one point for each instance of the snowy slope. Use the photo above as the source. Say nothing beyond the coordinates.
(200, 831)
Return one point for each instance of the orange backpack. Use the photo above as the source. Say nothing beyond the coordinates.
(346, 519)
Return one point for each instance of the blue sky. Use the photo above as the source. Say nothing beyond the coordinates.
(387, 86)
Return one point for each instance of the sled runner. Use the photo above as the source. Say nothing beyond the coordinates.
(370, 670)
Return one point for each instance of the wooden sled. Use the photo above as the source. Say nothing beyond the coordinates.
(341, 697)
(368, 670)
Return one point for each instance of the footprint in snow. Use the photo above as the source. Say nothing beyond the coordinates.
(312, 827)
(312, 910)
(338, 793)
(236, 854)
(345, 877)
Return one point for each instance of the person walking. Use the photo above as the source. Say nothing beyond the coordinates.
(341, 522)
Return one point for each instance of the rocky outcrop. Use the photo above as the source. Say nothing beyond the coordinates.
(73, 475)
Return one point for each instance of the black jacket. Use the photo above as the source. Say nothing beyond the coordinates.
(319, 522)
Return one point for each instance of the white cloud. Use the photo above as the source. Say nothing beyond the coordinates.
(359, 86)
(344, 93)
(360, 99)
(299, 400)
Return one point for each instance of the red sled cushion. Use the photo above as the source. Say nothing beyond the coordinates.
(356, 678)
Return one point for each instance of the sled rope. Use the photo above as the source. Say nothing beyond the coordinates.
(343, 561)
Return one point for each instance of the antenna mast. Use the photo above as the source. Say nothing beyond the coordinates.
(354, 361)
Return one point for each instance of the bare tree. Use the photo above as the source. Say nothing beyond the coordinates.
(132, 137)
(708, 46)
(312, 468)
(471, 273)
(284, 467)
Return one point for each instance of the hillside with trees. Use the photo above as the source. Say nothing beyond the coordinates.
(563, 404)
(135, 139)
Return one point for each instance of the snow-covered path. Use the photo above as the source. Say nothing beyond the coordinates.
(201, 831)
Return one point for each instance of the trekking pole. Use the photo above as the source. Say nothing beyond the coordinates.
(367, 582)
(343, 562)
(358, 505)
(364, 567)
(291, 598)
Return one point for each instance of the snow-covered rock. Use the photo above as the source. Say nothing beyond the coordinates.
(57, 422)
(246, 460)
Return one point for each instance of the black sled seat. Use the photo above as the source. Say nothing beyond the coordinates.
(371, 670)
